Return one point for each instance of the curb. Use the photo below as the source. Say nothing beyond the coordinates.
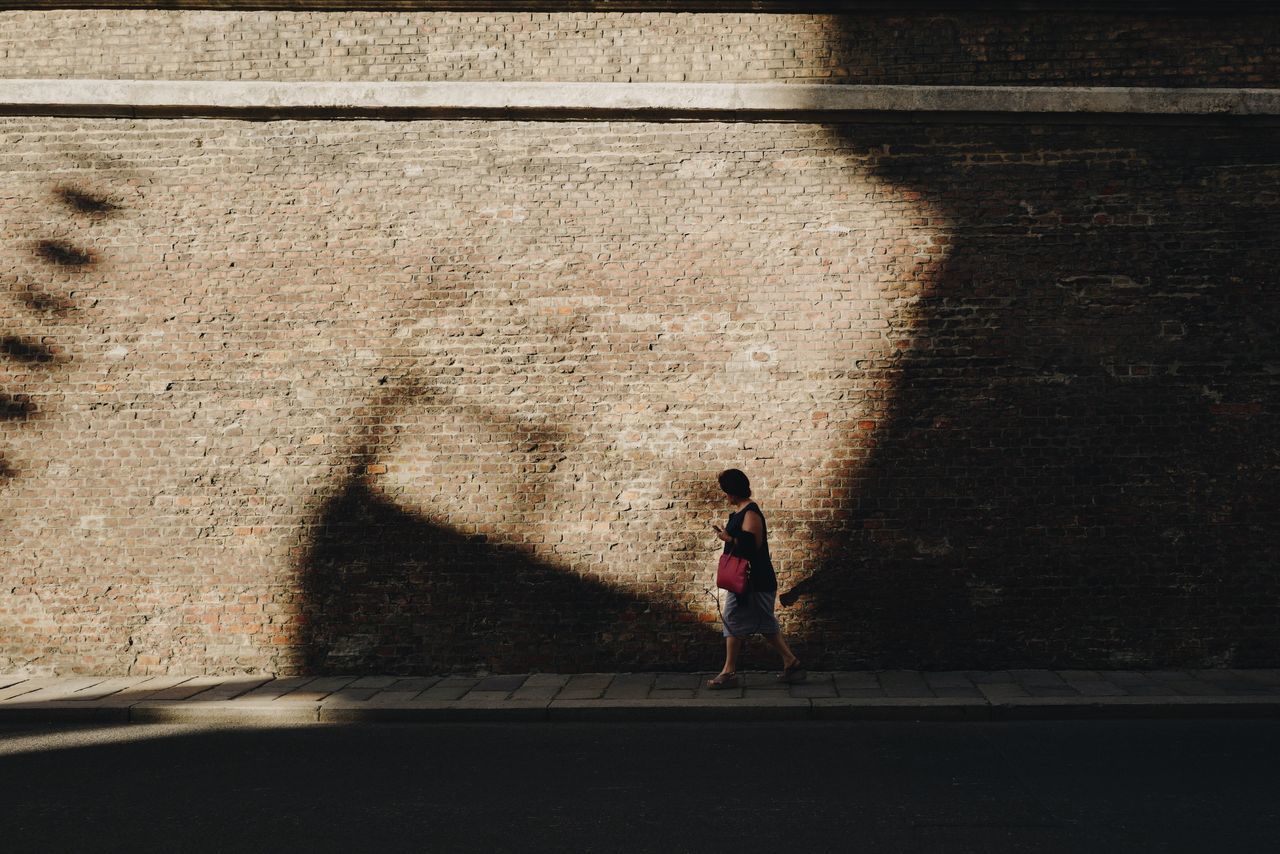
(274, 713)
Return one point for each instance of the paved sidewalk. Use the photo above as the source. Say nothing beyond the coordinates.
(879, 694)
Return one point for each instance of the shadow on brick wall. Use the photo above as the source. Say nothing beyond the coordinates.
(1076, 472)
(36, 354)
(1079, 466)
(389, 592)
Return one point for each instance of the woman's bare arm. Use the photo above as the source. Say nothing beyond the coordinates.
(753, 524)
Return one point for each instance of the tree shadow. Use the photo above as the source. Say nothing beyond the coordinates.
(39, 356)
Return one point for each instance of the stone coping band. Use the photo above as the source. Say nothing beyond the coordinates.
(669, 6)
(264, 100)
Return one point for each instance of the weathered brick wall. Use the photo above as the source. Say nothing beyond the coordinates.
(365, 396)
(431, 395)
(1093, 49)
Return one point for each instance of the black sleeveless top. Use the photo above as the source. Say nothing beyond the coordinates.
(763, 579)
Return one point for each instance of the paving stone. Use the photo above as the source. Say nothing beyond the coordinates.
(1042, 678)
(188, 688)
(676, 682)
(904, 683)
(275, 688)
(137, 689)
(862, 693)
(27, 686)
(705, 693)
(317, 690)
(448, 688)
(1051, 691)
(948, 679)
(846, 682)
(1128, 677)
(544, 680)
(1097, 688)
(683, 694)
(813, 689)
(147, 690)
(106, 688)
(985, 677)
(820, 676)
(766, 683)
(373, 682)
(475, 696)
(629, 686)
(1170, 675)
(501, 684)
(415, 683)
(57, 689)
(391, 698)
(535, 692)
(230, 688)
(585, 686)
(972, 693)
(355, 694)
(1069, 675)
(1002, 690)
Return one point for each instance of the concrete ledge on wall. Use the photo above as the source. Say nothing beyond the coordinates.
(621, 101)
(669, 6)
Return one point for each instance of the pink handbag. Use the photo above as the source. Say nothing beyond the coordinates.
(733, 572)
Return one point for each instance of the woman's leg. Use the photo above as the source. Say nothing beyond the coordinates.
(732, 646)
(777, 642)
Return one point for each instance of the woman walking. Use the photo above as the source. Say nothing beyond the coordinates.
(750, 612)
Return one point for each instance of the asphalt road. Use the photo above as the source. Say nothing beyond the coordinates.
(1078, 786)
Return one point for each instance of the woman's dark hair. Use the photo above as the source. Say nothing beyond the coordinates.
(734, 482)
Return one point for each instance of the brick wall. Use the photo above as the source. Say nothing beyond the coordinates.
(324, 396)
(1093, 49)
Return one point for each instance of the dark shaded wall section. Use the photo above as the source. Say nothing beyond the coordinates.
(1077, 470)
(1080, 467)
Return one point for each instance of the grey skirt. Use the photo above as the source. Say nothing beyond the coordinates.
(749, 614)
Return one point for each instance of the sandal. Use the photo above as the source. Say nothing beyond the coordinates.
(723, 681)
(794, 673)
